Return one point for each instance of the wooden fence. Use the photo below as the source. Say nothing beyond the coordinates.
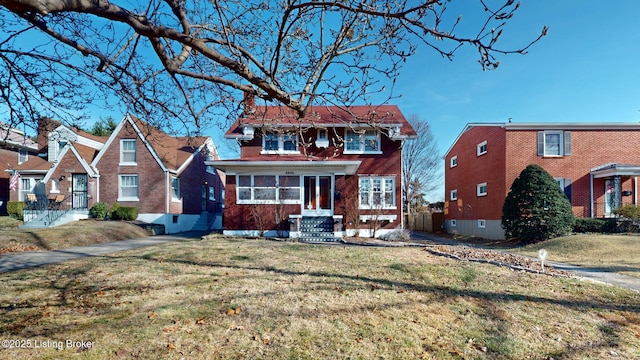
(425, 221)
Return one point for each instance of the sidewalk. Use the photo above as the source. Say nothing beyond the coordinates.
(589, 274)
(30, 259)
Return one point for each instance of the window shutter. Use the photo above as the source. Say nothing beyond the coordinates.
(567, 143)
(567, 188)
(540, 143)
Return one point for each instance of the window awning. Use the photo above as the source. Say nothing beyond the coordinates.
(230, 167)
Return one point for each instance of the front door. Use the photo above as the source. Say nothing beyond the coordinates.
(317, 195)
(79, 191)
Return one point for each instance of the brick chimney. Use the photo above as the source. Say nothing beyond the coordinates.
(249, 103)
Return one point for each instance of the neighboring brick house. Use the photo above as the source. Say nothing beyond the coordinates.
(596, 164)
(331, 174)
(15, 149)
(164, 177)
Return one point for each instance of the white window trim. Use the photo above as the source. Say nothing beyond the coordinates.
(55, 186)
(479, 191)
(277, 187)
(173, 194)
(482, 224)
(127, 198)
(453, 195)
(281, 141)
(453, 162)
(453, 223)
(560, 143)
(23, 156)
(362, 145)
(479, 147)
(212, 193)
(128, 163)
(384, 206)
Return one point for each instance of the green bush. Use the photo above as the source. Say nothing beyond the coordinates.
(628, 211)
(99, 210)
(112, 211)
(589, 225)
(127, 213)
(14, 209)
(536, 208)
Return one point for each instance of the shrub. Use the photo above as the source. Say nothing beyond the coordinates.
(112, 211)
(99, 210)
(14, 209)
(628, 211)
(536, 208)
(127, 213)
(589, 225)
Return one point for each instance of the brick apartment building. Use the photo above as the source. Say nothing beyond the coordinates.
(596, 164)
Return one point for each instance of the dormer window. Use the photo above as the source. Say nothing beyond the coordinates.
(23, 156)
(274, 143)
(322, 140)
(363, 141)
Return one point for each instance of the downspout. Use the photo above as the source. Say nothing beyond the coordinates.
(591, 195)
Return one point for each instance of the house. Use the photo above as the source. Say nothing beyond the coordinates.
(164, 177)
(333, 173)
(15, 149)
(595, 164)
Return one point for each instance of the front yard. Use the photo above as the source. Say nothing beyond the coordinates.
(240, 298)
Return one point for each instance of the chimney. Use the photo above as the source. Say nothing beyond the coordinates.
(249, 103)
(45, 126)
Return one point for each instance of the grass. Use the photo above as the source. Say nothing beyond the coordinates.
(616, 253)
(78, 233)
(237, 298)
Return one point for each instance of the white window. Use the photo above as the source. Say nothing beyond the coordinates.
(212, 193)
(377, 193)
(23, 156)
(453, 195)
(481, 189)
(323, 138)
(482, 224)
(268, 189)
(55, 186)
(361, 141)
(482, 148)
(274, 143)
(453, 222)
(554, 143)
(453, 162)
(175, 188)
(128, 152)
(27, 186)
(128, 188)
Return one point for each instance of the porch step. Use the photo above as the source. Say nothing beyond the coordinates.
(317, 229)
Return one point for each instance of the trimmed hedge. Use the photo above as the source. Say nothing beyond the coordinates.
(127, 213)
(14, 209)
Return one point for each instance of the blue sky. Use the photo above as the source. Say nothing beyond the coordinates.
(587, 69)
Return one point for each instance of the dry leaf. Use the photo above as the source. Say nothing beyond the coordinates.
(231, 312)
(200, 321)
(152, 315)
(238, 310)
(169, 329)
(170, 346)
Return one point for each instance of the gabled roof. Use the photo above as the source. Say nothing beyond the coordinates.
(79, 152)
(384, 116)
(171, 153)
(15, 138)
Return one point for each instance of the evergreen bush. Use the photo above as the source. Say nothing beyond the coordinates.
(99, 210)
(14, 209)
(127, 213)
(536, 208)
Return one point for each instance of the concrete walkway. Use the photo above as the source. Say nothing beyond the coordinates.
(589, 274)
(30, 259)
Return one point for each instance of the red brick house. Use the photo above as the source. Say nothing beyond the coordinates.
(596, 164)
(331, 174)
(164, 177)
(15, 149)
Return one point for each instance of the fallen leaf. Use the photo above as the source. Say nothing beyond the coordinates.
(200, 321)
(170, 346)
(231, 312)
(169, 329)
(238, 310)
(152, 315)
